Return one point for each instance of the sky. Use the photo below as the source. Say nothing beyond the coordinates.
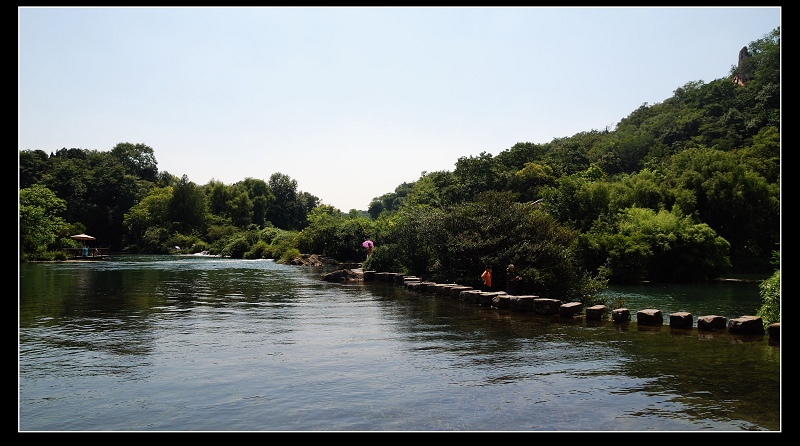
(352, 102)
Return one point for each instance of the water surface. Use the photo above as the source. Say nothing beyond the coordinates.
(188, 343)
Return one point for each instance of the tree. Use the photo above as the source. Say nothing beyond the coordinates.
(642, 244)
(39, 222)
(531, 179)
(260, 194)
(733, 199)
(33, 164)
(219, 196)
(390, 201)
(770, 291)
(336, 235)
(187, 207)
(283, 209)
(476, 174)
(147, 223)
(241, 210)
(138, 159)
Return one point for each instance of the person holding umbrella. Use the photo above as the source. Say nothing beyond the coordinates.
(369, 245)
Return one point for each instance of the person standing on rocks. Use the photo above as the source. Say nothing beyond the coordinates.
(512, 280)
(487, 278)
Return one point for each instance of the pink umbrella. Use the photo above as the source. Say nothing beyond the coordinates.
(368, 244)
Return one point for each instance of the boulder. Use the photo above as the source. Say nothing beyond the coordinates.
(681, 319)
(570, 309)
(774, 331)
(620, 315)
(711, 322)
(543, 305)
(650, 316)
(501, 301)
(521, 303)
(746, 325)
(342, 275)
(596, 312)
(455, 292)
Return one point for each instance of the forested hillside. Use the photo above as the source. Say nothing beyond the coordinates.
(686, 189)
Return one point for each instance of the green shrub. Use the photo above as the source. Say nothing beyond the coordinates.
(235, 248)
(289, 255)
(770, 290)
(260, 250)
(385, 258)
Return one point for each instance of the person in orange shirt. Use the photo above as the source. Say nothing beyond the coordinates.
(487, 278)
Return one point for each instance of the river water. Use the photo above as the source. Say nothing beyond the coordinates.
(192, 343)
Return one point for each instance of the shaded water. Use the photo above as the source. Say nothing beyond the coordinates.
(186, 343)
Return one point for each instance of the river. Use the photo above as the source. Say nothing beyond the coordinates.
(206, 344)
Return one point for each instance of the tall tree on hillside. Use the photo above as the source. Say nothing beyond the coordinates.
(476, 174)
(138, 159)
(733, 199)
(33, 164)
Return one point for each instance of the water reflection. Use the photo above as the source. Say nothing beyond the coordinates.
(179, 343)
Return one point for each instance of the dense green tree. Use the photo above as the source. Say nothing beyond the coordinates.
(305, 203)
(284, 209)
(111, 190)
(97, 188)
(476, 174)
(260, 194)
(68, 178)
(437, 189)
(375, 208)
(770, 291)
(570, 155)
(33, 165)
(519, 154)
(764, 154)
(241, 210)
(405, 240)
(762, 73)
(219, 196)
(39, 222)
(622, 152)
(737, 202)
(138, 159)
(644, 189)
(642, 244)
(574, 201)
(336, 235)
(530, 181)
(454, 244)
(187, 207)
(147, 223)
(390, 201)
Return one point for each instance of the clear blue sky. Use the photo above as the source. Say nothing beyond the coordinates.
(352, 102)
